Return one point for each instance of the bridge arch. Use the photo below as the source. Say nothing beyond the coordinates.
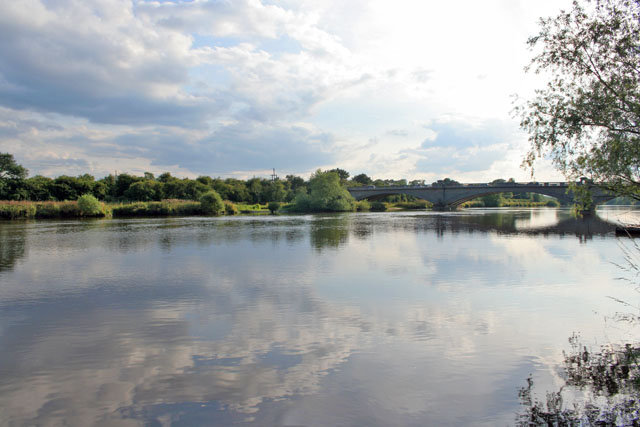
(452, 196)
(561, 198)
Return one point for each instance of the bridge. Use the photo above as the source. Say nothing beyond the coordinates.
(451, 196)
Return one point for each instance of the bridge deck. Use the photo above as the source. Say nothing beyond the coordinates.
(450, 196)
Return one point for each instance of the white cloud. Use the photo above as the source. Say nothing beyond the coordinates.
(184, 70)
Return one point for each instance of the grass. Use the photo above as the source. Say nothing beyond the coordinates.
(71, 209)
(252, 208)
(26, 210)
(167, 207)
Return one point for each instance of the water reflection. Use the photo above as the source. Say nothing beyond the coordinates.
(330, 232)
(13, 246)
(374, 319)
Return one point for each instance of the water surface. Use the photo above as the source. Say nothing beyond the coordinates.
(354, 319)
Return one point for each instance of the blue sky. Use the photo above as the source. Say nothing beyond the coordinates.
(403, 89)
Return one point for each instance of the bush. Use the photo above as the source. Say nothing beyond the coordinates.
(475, 203)
(211, 203)
(363, 205)
(14, 210)
(553, 203)
(378, 206)
(89, 205)
(230, 208)
(273, 207)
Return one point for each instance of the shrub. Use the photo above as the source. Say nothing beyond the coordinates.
(57, 210)
(273, 207)
(553, 203)
(14, 210)
(211, 203)
(163, 208)
(89, 205)
(475, 203)
(378, 206)
(230, 208)
(363, 205)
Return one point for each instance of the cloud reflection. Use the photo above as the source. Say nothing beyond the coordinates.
(250, 320)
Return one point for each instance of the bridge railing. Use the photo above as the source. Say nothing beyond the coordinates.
(472, 184)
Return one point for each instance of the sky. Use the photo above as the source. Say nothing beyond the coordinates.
(234, 88)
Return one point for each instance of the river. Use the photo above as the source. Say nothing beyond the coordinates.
(367, 319)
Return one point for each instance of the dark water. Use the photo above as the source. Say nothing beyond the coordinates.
(356, 319)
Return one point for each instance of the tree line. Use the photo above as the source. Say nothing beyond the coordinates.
(15, 185)
(322, 191)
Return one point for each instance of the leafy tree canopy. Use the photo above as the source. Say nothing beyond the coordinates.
(9, 169)
(343, 174)
(325, 194)
(587, 118)
(363, 179)
(446, 181)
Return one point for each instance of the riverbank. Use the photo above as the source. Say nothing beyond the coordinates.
(10, 210)
(71, 209)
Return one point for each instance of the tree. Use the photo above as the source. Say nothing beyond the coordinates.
(446, 181)
(173, 188)
(39, 188)
(325, 194)
(67, 187)
(9, 169)
(274, 191)
(295, 182)
(343, 174)
(12, 176)
(273, 207)
(144, 191)
(587, 118)
(122, 183)
(362, 179)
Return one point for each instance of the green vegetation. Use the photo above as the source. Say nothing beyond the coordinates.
(90, 206)
(256, 208)
(274, 207)
(326, 194)
(149, 195)
(587, 117)
(162, 208)
(363, 205)
(230, 208)
(15, 210)
(413, 205)
(611, 374)
(211, 203)
(498, 200)
(26, 210)
(378, 206)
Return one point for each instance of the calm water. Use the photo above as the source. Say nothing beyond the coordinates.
(356, 319)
